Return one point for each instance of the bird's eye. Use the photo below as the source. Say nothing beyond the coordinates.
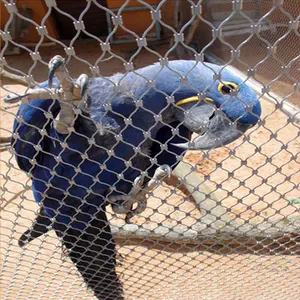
(226, 87)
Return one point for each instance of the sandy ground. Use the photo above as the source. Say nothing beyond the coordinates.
(42, 271)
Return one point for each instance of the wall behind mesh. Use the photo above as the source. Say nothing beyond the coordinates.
(226, 224)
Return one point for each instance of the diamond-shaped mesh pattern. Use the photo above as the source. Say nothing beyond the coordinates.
(223, 225)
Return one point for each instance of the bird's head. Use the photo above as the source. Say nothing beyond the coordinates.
(229, 108)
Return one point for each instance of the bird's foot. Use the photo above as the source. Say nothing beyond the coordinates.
(122, 204)
(138, 194)
(141, 194)
(72, 96)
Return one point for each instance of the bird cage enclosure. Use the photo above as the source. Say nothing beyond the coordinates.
(150, 149)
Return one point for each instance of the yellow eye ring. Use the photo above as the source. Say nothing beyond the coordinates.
(225, 87)
(192, 99)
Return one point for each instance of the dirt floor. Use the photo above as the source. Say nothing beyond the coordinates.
(259, 181)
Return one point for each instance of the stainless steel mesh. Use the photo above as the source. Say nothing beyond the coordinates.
(225, 225)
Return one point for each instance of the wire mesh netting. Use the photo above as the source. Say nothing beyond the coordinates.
(159, 158)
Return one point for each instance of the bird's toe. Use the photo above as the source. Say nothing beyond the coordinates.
(83, 82)
(55, 64)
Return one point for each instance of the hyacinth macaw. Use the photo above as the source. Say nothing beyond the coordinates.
(102, 138)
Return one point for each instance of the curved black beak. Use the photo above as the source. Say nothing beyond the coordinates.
(215, 129)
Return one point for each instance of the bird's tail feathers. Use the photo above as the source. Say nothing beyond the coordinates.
(41, 225)
(93, 253)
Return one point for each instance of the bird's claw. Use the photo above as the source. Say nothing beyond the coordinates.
(138, 194)
(137, 186)
(141, 206)
(70, 94)
(123, 204)
(55, 64)
(162, 172)
(74, 92)
(10, 99)
(83, 82)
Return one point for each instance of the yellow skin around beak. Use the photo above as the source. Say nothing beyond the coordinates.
(193, 99)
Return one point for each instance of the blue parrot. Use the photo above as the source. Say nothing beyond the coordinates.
(127, 125)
